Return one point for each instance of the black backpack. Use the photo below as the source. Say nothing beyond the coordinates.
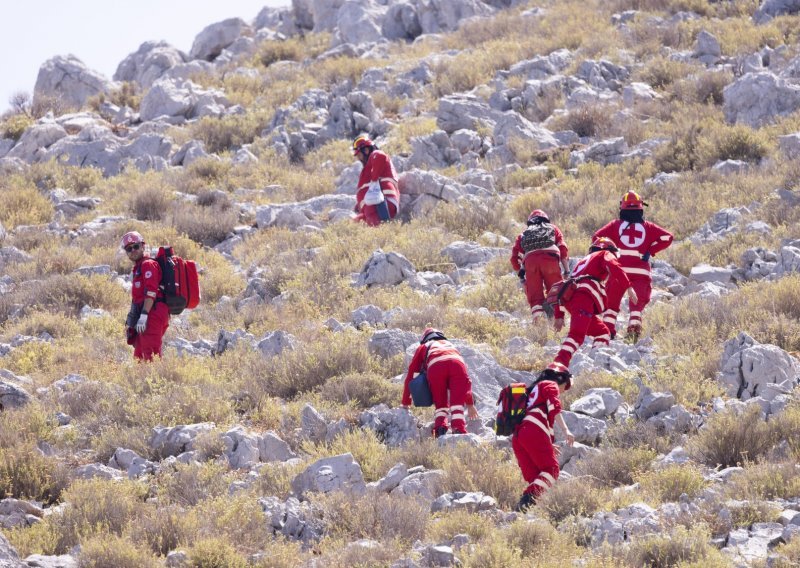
(538, 236)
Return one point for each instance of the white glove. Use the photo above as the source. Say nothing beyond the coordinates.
(374, 186)
(141, 325)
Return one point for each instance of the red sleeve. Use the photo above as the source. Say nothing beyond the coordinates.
(414, 367)
(562, 246)
(381, 167)
(616, 271)
(605, 231)
(151, 278)
(516, 251)
(662, 238)
(549, 391)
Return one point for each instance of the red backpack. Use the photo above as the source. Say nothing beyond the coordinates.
(179, 281)
(512, 406)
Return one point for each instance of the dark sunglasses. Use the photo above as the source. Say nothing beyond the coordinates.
(131, 248)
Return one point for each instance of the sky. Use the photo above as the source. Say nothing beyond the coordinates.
(101, 33)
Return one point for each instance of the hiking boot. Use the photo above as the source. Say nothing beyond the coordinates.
(439, 431)
(633, 333)
(527, 501)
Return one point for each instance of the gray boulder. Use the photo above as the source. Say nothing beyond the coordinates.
(276, 342)
(8, 556)
(748, 367)
(649, 403)
(178, 439)
(436, 16)
(241, 448)
(756, 98)
(12, 396)
(790, 145)
(359, 22)
(387, 343)
(771, 8)
(272, 448)
(210, 42)
(385, 269)
(182, 99)
(131, 463)
(471, 502)
(464, 253)
(36, 139)
(292, 519)
(148, 63)
(42, 561)
(597, 402)
(338, 473)
(96, 470)
(424, 485)
(395, 426)
(67, 78)
(464, 111)
(310, 212)
(587, 430)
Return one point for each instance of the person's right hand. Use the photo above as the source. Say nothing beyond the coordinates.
(558, 324)
(632, 296)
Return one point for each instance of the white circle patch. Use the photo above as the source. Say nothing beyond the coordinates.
(137, 284)
(148, 274)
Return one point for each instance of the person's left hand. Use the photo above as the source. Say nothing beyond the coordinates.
(472, 412)
(558, 324)
(570, 439)
(141, 325)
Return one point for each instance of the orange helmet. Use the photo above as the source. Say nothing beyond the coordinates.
(603, 243)
(360, 143)
(130, 238)
(631, 200)
(537, 213)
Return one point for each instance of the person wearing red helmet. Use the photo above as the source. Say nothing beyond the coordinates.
(533, 441)
(448, 380)
(378, 195)
(148, 318)
(638, 241)
(539, 256)
(587, 300)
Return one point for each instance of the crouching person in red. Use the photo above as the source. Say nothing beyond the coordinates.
(148, 318)
(378, 196)
(448, 379)
(533, 441)
(587, 301)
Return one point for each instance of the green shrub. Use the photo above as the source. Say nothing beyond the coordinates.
(23, 205)
(617, 466)
(107, 550)
(15, 126)
(364, 390)
(767, 481)
(205, 225)
(731, 438)
(363, 444)
(681, 546)
(446, 525)
(588, 120)
(150, 203)
(69, 293)
(215, 553)
(189, 484)
(26, 474)
(229, 132)
(668, 484)
(571, 497)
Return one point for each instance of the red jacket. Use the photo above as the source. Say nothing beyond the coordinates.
(543, 407)
(146, 280)
(634, 240)
(439, 352)
(559, 250)
(378, 168)
(599, 267)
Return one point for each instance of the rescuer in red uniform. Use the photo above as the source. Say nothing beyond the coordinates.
(638, 241)
(448, 380)
(378, 196)
(148, 318)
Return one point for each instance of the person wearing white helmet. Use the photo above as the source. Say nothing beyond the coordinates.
(148, 318)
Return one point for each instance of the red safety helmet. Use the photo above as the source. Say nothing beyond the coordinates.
(131, 237)
(538, 213)
(360, 143)
(559, 373)
(604, 243)
(632, 201)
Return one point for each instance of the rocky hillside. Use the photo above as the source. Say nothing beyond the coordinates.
(271, 432)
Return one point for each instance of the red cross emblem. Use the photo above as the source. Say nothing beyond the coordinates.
(631, 234)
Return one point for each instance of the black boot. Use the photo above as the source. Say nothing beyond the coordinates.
(439, 431)
(527, 501)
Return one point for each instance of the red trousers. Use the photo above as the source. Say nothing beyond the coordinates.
(583, 321)
(147, 344)
(542, 270)
(450, 378)
(369, 214)
(536, 457)
(643, 287)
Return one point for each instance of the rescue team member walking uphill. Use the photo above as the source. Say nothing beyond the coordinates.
(539, 256)
(637, 240)
(585, 297)
(533, 441)
(148, 318)
(448, 379)
(378, 196)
